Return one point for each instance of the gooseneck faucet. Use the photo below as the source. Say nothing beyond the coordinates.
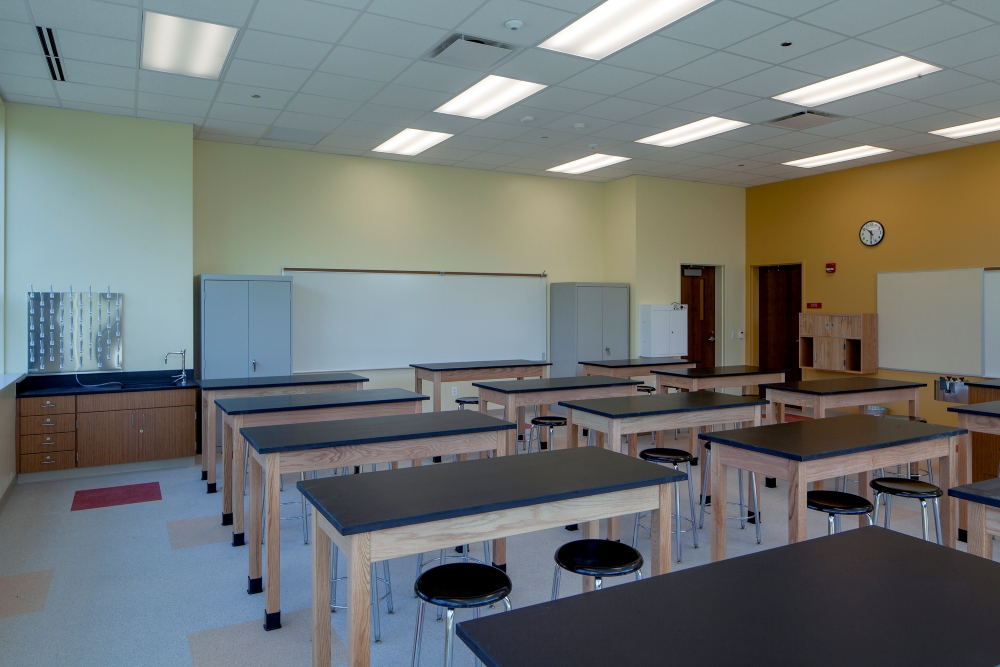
(183, 376)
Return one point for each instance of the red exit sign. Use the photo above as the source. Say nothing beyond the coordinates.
(814, 304)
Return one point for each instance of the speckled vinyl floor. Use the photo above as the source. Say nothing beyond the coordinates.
(158, 584)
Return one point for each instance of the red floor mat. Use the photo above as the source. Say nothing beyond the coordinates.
(116, 495)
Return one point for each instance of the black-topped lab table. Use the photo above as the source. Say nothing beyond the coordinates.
(981, 418)
(809, 608)
(817, 449)
(404, 512)
(465, 371)
(630, 368)
(821, 395)
(292, 409)
(303, 383)
(347, 442)
(983, 499)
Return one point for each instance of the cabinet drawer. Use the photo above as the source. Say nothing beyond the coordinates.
(48, 424)
(47, 443)
(135, 400)
(43, 462)
(46, 405)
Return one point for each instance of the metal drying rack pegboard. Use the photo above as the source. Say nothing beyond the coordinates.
(74, 332)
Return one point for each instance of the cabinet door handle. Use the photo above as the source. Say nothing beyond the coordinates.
(254, 362)
(133, 420)
(47, 463)
(143, 418)
(607, 350)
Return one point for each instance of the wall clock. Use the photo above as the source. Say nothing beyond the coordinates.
(872, 233)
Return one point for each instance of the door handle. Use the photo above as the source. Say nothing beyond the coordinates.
(711, 338)
(607, 350)
(254, 362)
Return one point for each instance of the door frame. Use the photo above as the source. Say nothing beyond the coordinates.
(720, 305)
(753, 306)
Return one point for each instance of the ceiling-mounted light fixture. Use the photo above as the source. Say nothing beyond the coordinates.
(706, 127)
(855, 153)
(859, 81)
(492, 94)
(182, 46)
(589, 163)
(411, 142)
(970, 129)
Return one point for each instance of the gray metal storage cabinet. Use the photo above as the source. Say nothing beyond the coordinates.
(242, 326)
(589, 322)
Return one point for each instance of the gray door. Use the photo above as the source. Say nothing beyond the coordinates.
(226, 336)
(615, 323)
(589, 323)
(270, 320)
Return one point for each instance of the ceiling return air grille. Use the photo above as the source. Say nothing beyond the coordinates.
(48, 41)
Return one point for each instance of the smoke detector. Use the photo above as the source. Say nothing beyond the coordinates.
(513, 24)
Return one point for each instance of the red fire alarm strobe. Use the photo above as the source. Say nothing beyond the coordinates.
(831, 267)
(814, 304)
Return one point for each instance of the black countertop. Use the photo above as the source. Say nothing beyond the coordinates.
(660, 404)
(391, 498)
(720, 371)
(553, 384)
(281, 381)
(369, 430)
(478, 365)
(834, 436)
(642, 361)
(995, 384)
(842, 385)
(986, 492)
(940, 608)
(117, 382)
(326, 399)
(990, 409)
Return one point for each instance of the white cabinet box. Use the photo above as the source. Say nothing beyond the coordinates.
(663, 330)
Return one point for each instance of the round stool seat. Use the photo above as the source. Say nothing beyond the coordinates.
(838, 502)
(467, 400)
(549, 420)
(645, 388)
(920, 420)
(462, 585)
(906, 488)
(598, 558)
(665, 455)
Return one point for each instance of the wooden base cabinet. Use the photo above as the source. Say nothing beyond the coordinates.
(844, 343)
(985, 446)
(105, 428)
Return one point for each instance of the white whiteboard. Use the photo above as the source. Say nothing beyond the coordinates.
(368, 321)
(931, 321)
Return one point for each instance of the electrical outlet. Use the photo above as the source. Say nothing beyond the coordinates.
(454, 391)
(734, 335)
(742, 336)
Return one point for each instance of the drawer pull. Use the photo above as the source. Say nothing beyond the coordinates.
(47, 463)
(48, 405)
(48, 423)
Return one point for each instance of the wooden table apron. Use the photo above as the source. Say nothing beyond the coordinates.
(630, 371)
(209, 413)
(365, 548)
(513, 401)
(234, 446)
(984, 523)
(800, 473)
(820, 403)
(980, 424)
(663, 382)
(265, 477)
(472, 375)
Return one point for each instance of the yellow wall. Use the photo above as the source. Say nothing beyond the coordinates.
(100, 200)
(939, 211)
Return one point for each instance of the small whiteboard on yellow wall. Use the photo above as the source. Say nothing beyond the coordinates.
(932, 321)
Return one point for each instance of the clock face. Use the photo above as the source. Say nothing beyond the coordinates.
(872, 232)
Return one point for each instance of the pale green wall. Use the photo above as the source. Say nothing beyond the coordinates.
(101, 200)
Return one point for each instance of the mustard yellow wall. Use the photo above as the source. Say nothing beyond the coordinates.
(940, 211)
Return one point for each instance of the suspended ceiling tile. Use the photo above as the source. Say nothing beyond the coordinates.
(176, 85)
(233, 93)
(662, 91)
(901, 113)
(841, 58)
(96, 49)
(386, 35)
(563, 99)
(242, 114)
(439, 77)
(302, 121)
(96, 18)
(77, 92)
(277, 77)
(718, 69)
(173, 105)
(348, 88)
(266, 47)
(722, 24)
(19, 37)
(715, 102)
(497, 130)
(541, 66)
(772, 81)
(98, 74)
(23, 64)
(617, 109)
(380, 113)
(962, 50)
(966, 97)
(657, 55)
(985, 8)
(169, 117)
(364, 64)
(411, 98)
(930, 27)
(322, 106)
(540, 22)
(300, 18)
(853, 17)
(802, 39)
(439, 13)
(606, 80)
(224, 12)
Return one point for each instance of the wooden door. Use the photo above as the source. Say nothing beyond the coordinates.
(698, 293)
(779, 305)
(166, 433)
(106, 438)
(830, 354)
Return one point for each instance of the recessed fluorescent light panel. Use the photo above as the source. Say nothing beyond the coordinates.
(589, 163)
(182, 46)
(616, 24)
(838, 156)
(970, 129)
(859, 81)
(706, 127)
(412, 142)
(492, 94)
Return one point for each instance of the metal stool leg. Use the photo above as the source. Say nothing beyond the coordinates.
(743, 521)
(336, 574)
(694, 525)
(418, 635)
(705, 455)
(937, 520)
(597, 583)
(876, 503)
(923, 517)
(449, 638)
(888, 509)
(829, 524)
(555, 582)
(305, 514)
(388, 587)
(635, 533)
(677, 518)
(376, 621)
(756, 503)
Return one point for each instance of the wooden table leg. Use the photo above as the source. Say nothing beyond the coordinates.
(208, 441)
(239, 449)
(980, 542)
(865, 491)
(543, 411)
(272, 584)
(591, 530)
(255, 581)
(633, 445)
(359, 601)
(915, 403)
(720, 472)
(436, 397)
(946, 480)
(418, 384)
(614, 443)
(227, 475)
(963, 475)
(322, 634)
(797, 519)
(819, 412)
(500, 544)
(660, 535)
(572, 432)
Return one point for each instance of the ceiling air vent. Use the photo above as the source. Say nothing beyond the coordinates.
(804, 120)
(48, 41)
(471, 52)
